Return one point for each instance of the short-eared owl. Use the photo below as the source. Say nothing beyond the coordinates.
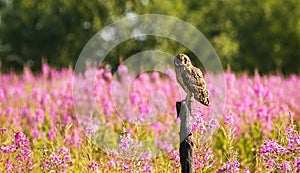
(191, 79)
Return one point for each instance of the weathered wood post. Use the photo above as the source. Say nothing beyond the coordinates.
(186, 145)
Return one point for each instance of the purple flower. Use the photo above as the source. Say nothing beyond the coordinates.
(228, 120)
(91, 129)
(20, 138)
(293, 139)
(9, 111)
(203, 159)
(246, 171)
(23, 156)
(58, 160)
(3, 129)
(9, 166)
(107, 75)
(40, 116)
(128, 147)
(36, 133)
(297, 164)
(125, 168)
(211, 125)
(231, 166)
(67, 157)
(272, 147)
(122, 69)
(174, 154)
(147, 167)
(155, 75)
(145, 156)
(45, 70)
(270, 163)
(112, 163)
(2, 96)
(63, 150)
(285, 166)
(198, 124)
(9, 149)
(93, 165)
(144, 77)
(52, 134)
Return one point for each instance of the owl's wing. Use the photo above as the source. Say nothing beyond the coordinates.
(195, 82)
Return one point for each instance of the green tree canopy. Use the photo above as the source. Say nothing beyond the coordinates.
(247, 35)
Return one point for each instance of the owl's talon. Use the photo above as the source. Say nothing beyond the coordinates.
(188, 98)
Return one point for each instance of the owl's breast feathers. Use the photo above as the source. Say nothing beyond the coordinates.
(194, 81)
(179, 70)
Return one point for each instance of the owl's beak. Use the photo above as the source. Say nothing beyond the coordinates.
(177, 60)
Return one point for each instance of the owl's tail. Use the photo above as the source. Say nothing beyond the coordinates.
(203, 100)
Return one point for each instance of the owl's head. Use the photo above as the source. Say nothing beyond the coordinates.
(182, 60)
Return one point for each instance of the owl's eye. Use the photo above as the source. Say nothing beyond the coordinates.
(185, 60)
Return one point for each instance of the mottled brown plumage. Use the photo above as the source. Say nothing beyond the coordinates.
(191, 79)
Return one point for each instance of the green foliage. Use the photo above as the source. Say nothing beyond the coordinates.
(247, 35)
(250, 141)
(56, 30)
(252, 34)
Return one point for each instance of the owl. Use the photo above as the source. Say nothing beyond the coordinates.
(191, 79)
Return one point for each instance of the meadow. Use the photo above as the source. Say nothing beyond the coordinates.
(46, 126)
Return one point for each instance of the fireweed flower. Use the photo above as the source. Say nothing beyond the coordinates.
(2, 96)
(258, 99)
(272, 147)
(23, 157)
(270, 163)
(293, 139)
(51, 134)
(9, 111)
(246, 171)
(122, 70)
(145, 156)
(58, 160)
(20, 140)
(231, 166)
(175, 156)
(46, 70)
(3, 129)
(8, 149)
(197, 124)
(285, 166)
(125, 168)
(282, 158)
(146, 159)
(164, 146)
(128, 147)
(9, 166)
(24, 145)
(91, 129)
(93, 166)
(147, 167)
(213, 123)
(210, 126)
(112, 163)
(203, 159)
(228, 120)
(297, 164)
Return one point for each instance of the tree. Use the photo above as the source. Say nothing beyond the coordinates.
(247, 35)
(55, 30)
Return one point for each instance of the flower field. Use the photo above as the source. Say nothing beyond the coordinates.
(47, 125)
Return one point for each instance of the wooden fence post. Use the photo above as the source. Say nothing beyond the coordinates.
(186, 145)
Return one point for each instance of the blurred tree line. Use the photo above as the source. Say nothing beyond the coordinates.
(247, 35)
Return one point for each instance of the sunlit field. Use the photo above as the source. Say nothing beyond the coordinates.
(41, 129)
